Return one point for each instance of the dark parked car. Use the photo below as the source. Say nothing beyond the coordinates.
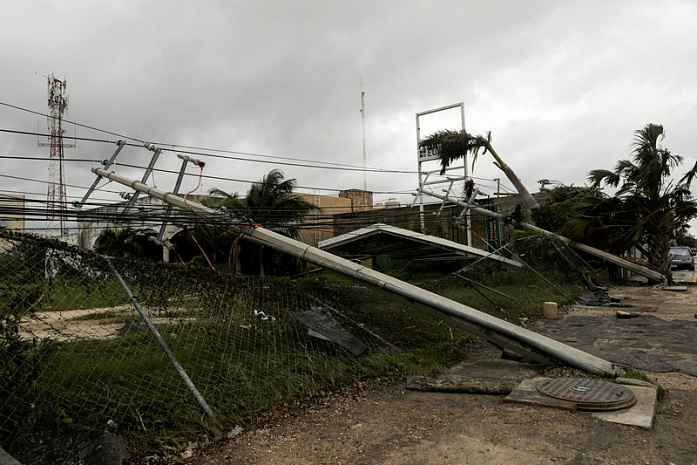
(681, 257)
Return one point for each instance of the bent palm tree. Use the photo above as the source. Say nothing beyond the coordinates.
(648, 206)
(453, 145)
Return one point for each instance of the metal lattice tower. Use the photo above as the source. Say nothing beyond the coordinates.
(56, 197)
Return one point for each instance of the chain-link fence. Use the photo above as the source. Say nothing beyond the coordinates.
(100, 340)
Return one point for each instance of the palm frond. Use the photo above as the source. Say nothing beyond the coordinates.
(599, 176)
(453, 145)
(689, 176)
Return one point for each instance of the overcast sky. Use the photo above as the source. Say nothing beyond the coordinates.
(562, 85)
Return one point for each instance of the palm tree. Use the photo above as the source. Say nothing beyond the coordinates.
(221, 198)
(119, 243)
(648, 206)
(453, 145)
(272, 204)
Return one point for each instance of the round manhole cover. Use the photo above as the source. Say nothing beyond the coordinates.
(587, 394)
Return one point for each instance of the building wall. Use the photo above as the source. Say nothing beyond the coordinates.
(439, 219)
(360, 200)
(12, 212)
(89, 229)
(319, 225)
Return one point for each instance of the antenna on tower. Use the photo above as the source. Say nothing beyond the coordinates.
(365, 175)
(56, 197)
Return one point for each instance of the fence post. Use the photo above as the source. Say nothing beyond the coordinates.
(182, 373)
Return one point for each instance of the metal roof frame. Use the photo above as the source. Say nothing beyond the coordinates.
(431, 247)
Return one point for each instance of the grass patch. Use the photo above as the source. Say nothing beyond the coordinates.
(633, 373)
(66, 293)
(129, 380)
(243, 365)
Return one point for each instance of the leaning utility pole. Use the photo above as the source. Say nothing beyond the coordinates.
(499, 332)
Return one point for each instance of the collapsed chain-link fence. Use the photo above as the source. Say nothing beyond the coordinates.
(100, 340)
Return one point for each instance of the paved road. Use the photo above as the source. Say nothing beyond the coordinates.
(660, 339)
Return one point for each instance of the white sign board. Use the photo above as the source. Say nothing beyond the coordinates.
(427, 154)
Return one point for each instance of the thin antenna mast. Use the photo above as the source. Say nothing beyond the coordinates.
(365, 174)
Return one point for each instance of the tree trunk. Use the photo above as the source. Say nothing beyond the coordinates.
(659, 245)
(517, 183)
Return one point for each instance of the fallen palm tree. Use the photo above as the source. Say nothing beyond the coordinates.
(453, 145)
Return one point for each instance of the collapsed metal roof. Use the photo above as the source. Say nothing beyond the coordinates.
(402, 244)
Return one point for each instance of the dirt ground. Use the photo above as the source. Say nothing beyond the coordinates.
(384, 423)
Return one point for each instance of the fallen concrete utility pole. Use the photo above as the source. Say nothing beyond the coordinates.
(614, 259)
(494, 330)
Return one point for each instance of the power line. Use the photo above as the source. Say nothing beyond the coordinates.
(16, 107)
(27, 158)
(41, 134)
(219, 153)
(167, 171)
(214, 153)
(156, 214)
(209, 177)
(331, 166)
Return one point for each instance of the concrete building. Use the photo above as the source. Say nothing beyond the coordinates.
(319, 225)
(145, 216)
(12, 212)
(361, 200)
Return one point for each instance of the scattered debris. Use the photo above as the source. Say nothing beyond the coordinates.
(111, 425)
(621, 314)
(321, 323)
(236, 431)
(263, 316)
(490, 376)
(595, 295)
(675, 288)
(549, 310)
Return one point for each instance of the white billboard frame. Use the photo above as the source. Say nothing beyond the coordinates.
(424, 156)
